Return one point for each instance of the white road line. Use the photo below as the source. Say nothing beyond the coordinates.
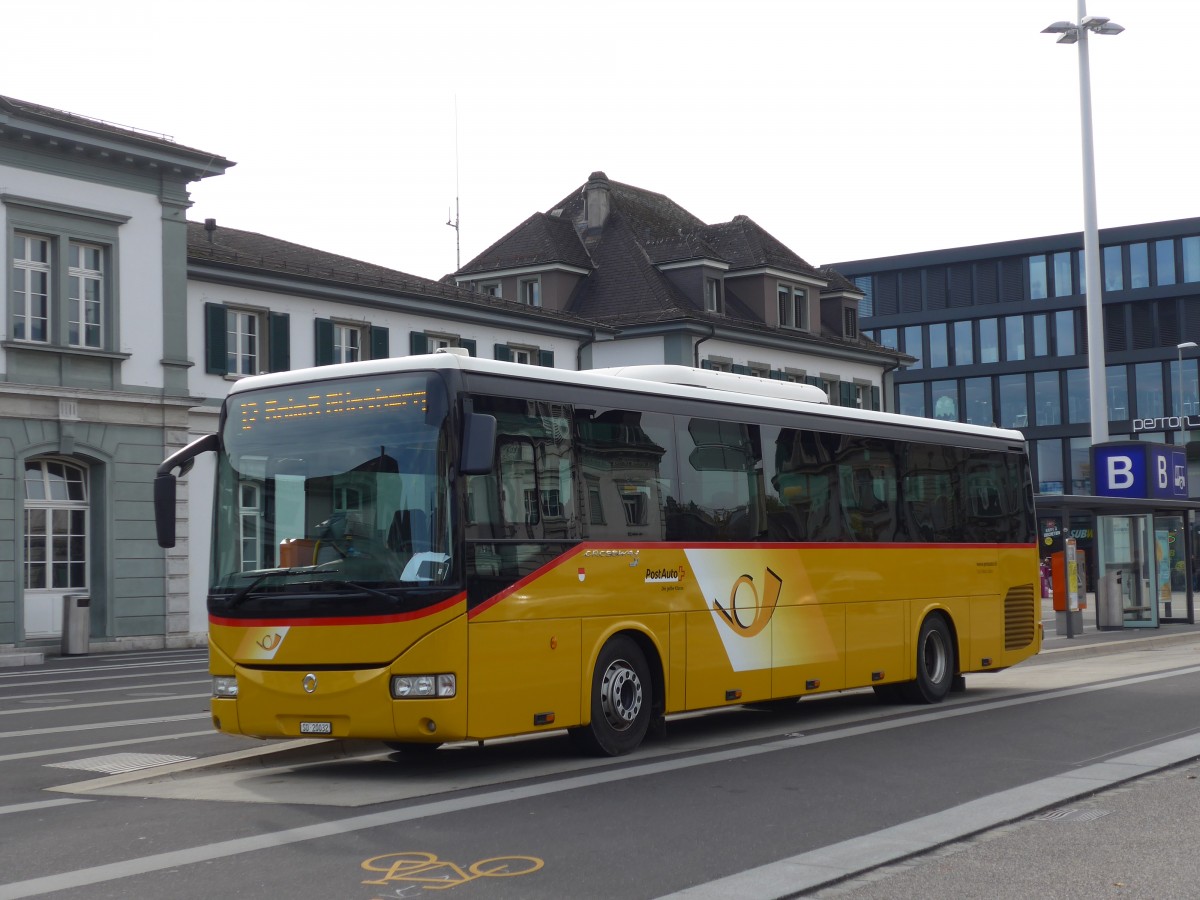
(87, 748)
(1043, 793)
(95, 726)
(108, 690)
(93, 679)
(207, 695)
(23, 674)
(41, 804)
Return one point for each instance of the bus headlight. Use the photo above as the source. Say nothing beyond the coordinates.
(406, 687)
(224, 686)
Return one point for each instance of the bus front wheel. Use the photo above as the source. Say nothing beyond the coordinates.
(622, 696)
(935, 662)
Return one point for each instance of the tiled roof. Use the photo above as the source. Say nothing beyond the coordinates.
(643, 230)
(249, 250)
(540, 239)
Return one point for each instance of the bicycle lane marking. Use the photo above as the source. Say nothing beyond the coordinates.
(47, 884)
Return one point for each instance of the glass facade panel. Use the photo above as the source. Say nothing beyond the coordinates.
(1114, 278)
(911, 398)
(1118, 393)
(1082, 272)
(1078, 397)
(1014, 404)
(890, 338)
(964, 349)
(1050, 467)
(1041, 335)
(1037, 278)
(979, 401)
(989, 341)
(1046, 398)
(1164, 262)
(1014, 337)
(1185, 389)
(1148, 388)
(1062, 274)
(1139, 265)
(945, 400)
(1191, 258)
(1064, 332)
(1081, 465)
(939, 351)
(912, 344)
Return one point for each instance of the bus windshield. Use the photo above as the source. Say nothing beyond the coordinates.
(333, 498)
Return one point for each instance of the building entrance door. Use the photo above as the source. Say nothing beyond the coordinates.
(55, 563)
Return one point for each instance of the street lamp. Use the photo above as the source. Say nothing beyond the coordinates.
(1071, 33)
(1186, 345)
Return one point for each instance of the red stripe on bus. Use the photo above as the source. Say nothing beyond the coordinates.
(341, 620)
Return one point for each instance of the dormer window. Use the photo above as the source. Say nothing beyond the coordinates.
(793, 307)
(530, 291)
(850, 323)
(490, 289)
(712, 296)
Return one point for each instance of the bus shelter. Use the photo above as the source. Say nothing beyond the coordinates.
(1140, 560)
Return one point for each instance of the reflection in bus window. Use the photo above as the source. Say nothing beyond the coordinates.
(621, 460)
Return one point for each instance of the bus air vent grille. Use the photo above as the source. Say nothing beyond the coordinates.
(1019, 618)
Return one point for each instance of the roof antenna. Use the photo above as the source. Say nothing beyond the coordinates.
(453, 223)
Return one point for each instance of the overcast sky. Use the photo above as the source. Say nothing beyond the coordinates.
(846, 128)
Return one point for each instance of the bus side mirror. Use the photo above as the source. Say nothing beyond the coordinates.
(164, 509)
(478, 445)
(164, 485)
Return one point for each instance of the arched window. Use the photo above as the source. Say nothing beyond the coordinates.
(56, 522)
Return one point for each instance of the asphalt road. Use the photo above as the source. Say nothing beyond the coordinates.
(835, 796)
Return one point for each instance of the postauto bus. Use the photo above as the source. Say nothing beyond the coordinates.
(438, 548)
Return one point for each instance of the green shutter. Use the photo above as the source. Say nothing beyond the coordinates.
(740, 370)
(874, 397)
(502, 352)
(324, 342)
(848, 392)
(778, 375)
(214, 339)
(705, 364)
(546, 358)
(418, 343)
(469, 346)
(379, 342)
(279, 342)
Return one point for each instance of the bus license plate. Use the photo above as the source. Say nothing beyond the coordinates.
(316, 728)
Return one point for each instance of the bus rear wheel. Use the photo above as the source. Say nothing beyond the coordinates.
(622, 695)
(935, 662)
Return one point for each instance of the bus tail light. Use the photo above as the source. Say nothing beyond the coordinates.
(405, 687)
(225, 687)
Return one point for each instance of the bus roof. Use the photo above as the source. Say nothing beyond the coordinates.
(663, 380)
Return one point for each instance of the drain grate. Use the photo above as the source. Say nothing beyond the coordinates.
(1072, 815)
(119, 763)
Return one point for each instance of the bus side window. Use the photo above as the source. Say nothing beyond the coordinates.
(721, 481)
(621, 467)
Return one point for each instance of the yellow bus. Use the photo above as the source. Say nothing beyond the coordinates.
(441, 548)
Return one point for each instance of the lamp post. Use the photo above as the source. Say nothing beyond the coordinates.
(1072, 33)
(1186, 345)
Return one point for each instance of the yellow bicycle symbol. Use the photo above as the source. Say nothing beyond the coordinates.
(419, 867)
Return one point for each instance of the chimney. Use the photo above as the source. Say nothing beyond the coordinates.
(210, 225)
(596, 200)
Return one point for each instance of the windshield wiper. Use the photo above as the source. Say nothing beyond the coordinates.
(363, 588)
(262, 574)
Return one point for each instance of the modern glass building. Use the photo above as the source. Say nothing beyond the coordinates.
(1000, 335)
